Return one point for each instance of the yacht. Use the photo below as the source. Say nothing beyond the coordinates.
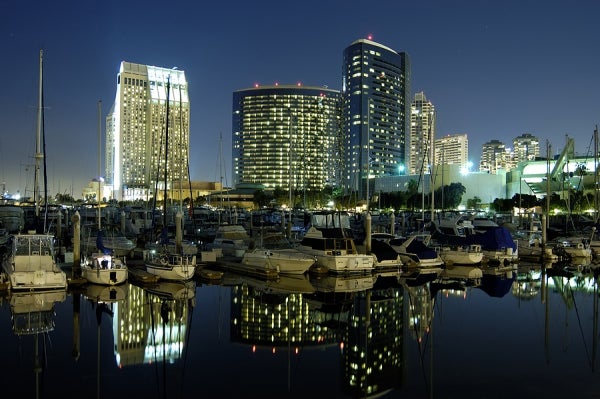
(329, 238)
(275, 251)
(413, 250)
(32, 264)
(232, 240)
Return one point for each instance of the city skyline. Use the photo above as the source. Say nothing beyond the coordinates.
(492, 71)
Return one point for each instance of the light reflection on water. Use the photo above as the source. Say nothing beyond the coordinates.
(523, 332)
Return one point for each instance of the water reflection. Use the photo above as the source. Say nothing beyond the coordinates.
(32, 316)
(386, 334)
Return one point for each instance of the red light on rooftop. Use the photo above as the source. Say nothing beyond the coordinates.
(255, 84)
(370, 36)
(299, 84)
(276, 83)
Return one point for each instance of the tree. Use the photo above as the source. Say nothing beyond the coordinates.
(474, 203)
(453, 196)
(525, 201)
(262, 199)
(503, 205)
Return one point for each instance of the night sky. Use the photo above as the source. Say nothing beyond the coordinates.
(493, 69)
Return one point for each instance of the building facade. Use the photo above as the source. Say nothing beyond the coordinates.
(495, 156)
(375, 113)
(526, 147)
(139, 125)
(286, 136)
(452, 149)
(422, 135)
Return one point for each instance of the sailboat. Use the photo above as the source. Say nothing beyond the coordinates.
(165, 262)
(103, 267)
(32, 262)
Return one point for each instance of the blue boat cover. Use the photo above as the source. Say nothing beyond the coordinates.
(100, 244)
(493, 239)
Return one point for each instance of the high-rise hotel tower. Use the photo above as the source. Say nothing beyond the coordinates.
(286, 135)
(136, 129)
(375, 112)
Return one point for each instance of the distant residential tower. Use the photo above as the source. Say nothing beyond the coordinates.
(422, 135)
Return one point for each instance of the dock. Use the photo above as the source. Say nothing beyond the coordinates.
(141, 276)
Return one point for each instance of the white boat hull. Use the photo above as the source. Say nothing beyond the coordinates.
(284, 261)
(172, 267)
(461, 256)
(350, 263)
(38, 280)
(104, 270)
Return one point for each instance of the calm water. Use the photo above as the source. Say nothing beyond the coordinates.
(518, 334)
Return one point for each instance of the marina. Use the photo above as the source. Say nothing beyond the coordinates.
(532, 326)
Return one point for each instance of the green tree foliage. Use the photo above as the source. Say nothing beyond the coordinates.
(451, 196)
(503, 204)
(525, 201)
(474, 203)
(261, 199)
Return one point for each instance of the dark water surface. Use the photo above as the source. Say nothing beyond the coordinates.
(530, 332)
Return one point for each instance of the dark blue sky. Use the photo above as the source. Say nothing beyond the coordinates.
(493, 69)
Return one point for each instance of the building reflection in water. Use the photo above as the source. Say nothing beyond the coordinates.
(366, 324)
(151, 326)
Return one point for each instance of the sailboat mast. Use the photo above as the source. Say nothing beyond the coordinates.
(596, 172)
(99, 163)
(38, 145)
(166, 154)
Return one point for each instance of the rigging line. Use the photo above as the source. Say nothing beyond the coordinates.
(587, 352)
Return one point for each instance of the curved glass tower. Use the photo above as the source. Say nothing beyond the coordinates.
(375, 112)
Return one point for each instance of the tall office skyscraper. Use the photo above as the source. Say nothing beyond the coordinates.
(376, 109)
(286, 135)
(422, 135)
(136, 131)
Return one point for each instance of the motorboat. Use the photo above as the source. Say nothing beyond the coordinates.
(575, 247)
(329, 238)
(32, 264)
(232, 239)
(275, 252)
(461, 255)
(384, 256)
(285, 261)
(414, 250)
(338, 254)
